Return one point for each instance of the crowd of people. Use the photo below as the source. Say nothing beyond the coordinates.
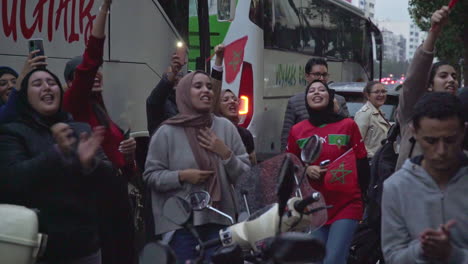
(61, 152)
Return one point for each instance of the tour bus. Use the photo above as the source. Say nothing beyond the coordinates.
(269, 44)
(278, 38)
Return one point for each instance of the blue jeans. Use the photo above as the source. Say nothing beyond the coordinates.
(337, 239)
(183, 242)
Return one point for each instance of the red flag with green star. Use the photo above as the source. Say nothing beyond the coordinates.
(341, 174)
(233, 58)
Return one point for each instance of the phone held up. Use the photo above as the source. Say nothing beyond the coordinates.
(37, 44)
(181, 52)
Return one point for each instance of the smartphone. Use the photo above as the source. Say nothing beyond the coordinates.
(127, 134)
(181, 52)
(324, 163)
(37, 44)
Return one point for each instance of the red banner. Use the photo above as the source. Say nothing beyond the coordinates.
(233, 58)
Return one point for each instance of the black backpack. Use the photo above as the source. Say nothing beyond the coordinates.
(365, 248)
(382, 166)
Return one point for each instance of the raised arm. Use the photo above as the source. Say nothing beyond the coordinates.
(83, 81)
(217, 77)
(155, 103)
(417, 80)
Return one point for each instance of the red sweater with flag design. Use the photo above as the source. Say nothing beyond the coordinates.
(336, 139)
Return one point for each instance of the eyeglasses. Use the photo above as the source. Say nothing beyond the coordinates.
(318, 75)
(379, 92)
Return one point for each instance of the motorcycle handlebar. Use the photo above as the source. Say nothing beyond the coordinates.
(299, 206)
(210, 243)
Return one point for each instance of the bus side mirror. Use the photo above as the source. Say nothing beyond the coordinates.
(226, 10)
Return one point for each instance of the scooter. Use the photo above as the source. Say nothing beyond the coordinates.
(271, 235)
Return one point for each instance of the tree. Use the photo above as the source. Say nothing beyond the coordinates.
(452, 45)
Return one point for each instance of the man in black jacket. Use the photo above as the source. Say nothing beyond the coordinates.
(315, 69)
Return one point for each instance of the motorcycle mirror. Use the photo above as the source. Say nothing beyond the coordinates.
(295, 247)
(286, 183)
(311, 150)
(199, 200)
(177, 210)
(155, 252)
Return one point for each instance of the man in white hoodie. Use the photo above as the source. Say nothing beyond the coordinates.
(424, 204)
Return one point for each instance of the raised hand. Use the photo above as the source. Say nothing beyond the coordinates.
(208, 140)
(128, 147)
(439, 18)
(30, 64)
(219, 51)
(63, 135)
(195, 176)
(89, 145)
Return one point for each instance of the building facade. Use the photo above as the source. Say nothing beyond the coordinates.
(416, 37)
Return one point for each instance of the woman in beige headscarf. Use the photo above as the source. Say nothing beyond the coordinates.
(193, 151)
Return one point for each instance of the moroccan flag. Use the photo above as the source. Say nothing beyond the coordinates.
(233, 58)
(341, 174)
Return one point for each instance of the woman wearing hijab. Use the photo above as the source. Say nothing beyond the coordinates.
(338, 135)
(194, 151)
(51, 163)
(229, 108)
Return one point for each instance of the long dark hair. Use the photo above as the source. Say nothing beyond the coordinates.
(27, 112)
(434, 68)
(326, 115)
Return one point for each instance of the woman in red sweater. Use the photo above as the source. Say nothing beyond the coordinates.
(338, 135)
(83, 99)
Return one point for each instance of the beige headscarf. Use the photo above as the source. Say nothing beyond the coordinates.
(192, 121)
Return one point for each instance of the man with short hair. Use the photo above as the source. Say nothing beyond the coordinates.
(424, 208)
(315, 69)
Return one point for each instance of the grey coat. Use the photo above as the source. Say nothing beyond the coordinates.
(412, 202)
(169, 152)
(414, 87)
(296, 112)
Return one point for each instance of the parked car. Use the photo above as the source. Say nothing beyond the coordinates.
(353, 93)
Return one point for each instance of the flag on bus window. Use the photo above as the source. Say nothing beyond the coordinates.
(342, 173)
(233, 58)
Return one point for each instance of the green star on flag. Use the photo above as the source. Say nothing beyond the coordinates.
(338, 140)
(341, 174)
(234, 58)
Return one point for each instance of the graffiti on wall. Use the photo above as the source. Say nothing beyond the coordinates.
(47, 15)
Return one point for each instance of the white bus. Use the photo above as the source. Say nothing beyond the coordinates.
(282, 35)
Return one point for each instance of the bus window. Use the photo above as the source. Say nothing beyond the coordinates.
(286, 25)
(226, 10)
(256, 13)
(178, 12)
(314, 14)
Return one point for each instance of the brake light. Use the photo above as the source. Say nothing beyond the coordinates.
(246, 95)
(244, 105)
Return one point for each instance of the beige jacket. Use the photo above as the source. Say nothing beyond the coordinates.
(373, 127)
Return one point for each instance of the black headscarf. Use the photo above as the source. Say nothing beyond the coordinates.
(325, 115)
(28, 113)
